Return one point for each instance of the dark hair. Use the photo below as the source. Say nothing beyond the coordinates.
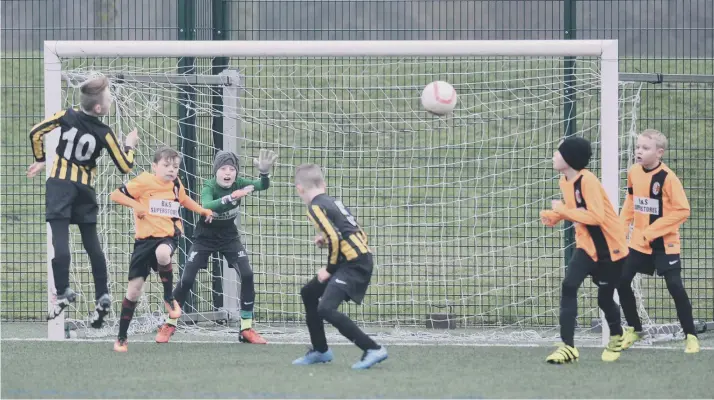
(166, 153)
(92, 92)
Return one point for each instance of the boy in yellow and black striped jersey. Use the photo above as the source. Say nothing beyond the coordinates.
(346, 276)
(70, 196)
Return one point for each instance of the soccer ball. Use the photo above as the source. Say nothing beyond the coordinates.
(439, 98)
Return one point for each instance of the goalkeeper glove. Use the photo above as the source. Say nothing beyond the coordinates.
(265, 161)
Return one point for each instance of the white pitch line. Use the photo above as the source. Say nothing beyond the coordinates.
(400, 344)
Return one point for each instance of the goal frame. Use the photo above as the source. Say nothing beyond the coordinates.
(606, 50)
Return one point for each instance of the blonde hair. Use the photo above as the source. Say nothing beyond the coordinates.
(92, 93)
(658, 137)
(309, 176)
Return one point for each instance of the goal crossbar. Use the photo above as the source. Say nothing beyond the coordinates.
(336, 48)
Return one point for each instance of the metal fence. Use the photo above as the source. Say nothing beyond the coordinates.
(656, 36)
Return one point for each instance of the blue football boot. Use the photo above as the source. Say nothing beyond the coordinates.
(314, 357)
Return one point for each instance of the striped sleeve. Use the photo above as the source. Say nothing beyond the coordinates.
(123, 160)
(324, 225)
(38, 132)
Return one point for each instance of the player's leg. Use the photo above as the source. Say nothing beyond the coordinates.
(238, 260)
(138, 271)
(327, 309)
(59, 197)
(60, 266)
(196, 260)
(84, 215)
(128, 305)
(670, 268)
(635, 263)
(320, 353)
(164, 252)
(676, 289)
(607, 277)
(578, 269)
(90, 240)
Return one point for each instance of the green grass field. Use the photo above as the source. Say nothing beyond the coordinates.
(231, 370)
(450, 205)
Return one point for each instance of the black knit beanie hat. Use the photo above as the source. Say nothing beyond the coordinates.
(576, 152)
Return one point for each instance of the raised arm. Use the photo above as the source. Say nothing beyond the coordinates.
(223, 203)
(207, 200)
(258, 184)
(123, 159)
(265, 161)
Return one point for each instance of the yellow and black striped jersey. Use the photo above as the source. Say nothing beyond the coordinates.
(345, 238)
(82, 138)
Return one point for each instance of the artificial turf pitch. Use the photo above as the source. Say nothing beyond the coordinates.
(90, 369)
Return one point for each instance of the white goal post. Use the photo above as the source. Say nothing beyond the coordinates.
(605, 51)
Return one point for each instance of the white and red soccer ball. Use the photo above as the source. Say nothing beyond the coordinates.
(439, 98)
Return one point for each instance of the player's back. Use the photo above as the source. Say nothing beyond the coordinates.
(608, 238)
(329, 214)
(82, 138)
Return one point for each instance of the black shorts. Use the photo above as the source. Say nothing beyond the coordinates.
(353, 277)
(143, 259)
(603, 272)
(234, 253)
(70, 200)
(659, 261)
(217, 244)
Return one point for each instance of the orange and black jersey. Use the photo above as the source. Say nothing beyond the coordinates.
(162, 200)
(345, 238)
(598, 230)
(658, 205)
(82, 138)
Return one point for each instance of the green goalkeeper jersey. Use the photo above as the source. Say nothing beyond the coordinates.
(223, 227)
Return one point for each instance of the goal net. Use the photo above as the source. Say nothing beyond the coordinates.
(450, 204)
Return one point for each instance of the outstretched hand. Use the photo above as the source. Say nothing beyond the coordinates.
(35, 168)
(265, 161)
(132, 139)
